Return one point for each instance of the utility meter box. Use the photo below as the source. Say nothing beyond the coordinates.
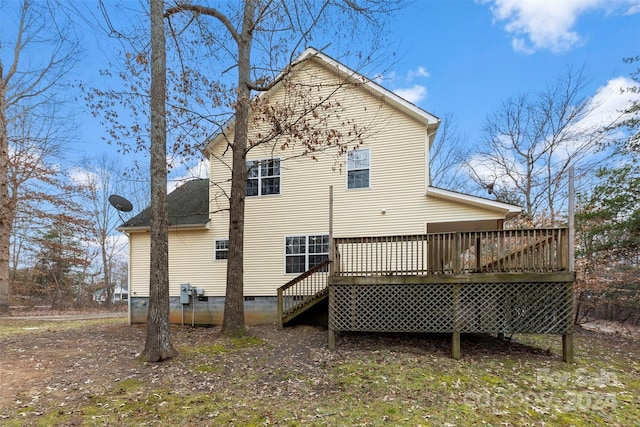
(185, 293)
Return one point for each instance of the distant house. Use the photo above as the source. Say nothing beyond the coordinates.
(119, 294)
(388, 221)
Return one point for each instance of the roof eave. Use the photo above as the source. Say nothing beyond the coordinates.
(509, 211)
(140, 228)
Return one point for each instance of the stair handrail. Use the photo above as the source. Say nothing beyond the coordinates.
(304, 275)
(281, 290)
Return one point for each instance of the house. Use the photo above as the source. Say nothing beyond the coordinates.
(372, 181)
(120, 294)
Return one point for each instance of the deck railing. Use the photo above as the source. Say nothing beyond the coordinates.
(523, 250)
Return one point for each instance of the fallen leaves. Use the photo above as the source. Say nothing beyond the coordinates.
(90, 374)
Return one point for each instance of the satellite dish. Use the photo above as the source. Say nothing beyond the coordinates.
(120, 203)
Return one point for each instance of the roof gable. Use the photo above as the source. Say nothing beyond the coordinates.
(371, 86)
(430, 121)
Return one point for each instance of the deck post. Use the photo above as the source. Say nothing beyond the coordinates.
(567, 347)
(455, 345)
(457, 245)
(567, 337)
(280, 309)
(332, 339)
(332, 247)
(455, 338)
(478, 254)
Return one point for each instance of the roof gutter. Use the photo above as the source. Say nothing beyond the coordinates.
(205, 226)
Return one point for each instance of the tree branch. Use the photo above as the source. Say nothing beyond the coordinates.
(204, 10)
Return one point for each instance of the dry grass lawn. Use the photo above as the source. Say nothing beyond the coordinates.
(86, 372)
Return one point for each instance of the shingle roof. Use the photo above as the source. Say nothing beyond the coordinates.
(188, 205)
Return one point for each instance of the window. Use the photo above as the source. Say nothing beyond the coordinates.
(358, 168)
(263, 177)
(221, 249)
(304, 252)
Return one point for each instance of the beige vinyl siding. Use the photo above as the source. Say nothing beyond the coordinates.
(190, 261)
(398, 163)
(446, 211)
(397, 184)
(139, 250)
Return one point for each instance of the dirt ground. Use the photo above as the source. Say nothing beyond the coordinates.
(44, 363)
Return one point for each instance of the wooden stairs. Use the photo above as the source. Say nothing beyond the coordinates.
(304, 292)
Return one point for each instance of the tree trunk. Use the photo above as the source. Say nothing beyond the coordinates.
(6, 208)
(158, 344)
(233, 321)
(106, 269)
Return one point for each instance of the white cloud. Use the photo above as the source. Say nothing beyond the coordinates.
(607, 104)
(548, 24)
(119, 242)
(491, 173)
(419, 72)
(382, 78)
(413, 94)
(604, 110)
(199, 170)
(634, 8)
(84, 177)
(520, 45)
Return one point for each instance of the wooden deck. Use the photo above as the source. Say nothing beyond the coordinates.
(503, 282)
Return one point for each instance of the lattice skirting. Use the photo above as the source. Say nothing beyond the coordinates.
(540, 308)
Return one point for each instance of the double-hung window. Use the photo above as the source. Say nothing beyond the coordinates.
(358, 168)
(304, 252)
(263, 177)
(221, 249)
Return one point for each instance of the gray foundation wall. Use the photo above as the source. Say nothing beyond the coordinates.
(209, 311)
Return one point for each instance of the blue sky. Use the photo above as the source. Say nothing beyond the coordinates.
(465, 57)
(460, 57)
(451, 57)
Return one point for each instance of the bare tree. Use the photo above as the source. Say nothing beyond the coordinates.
(158, 345)
(41, 53)
(258, 39)
(447, 157)
(279, 29)
(99, 178)
(530, 143)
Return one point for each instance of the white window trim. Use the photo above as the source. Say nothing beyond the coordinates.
(260, 177)
(306, 254)
(346, 180)
(215, 250)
